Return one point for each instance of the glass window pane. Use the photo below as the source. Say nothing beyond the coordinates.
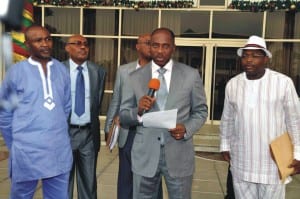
(37, 16)
(128, 51)
(297, 26)
(192, 56)
(236, 24)
(275, 30)
(286, 59)
(100, 22)
(136, 23)
(105, 104)
(287, 25)
(212, 2)
(104, 52)
(187, 23)
(63, 20)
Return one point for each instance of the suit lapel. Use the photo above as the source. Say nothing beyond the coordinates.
(146, 77)
(177, 81)
(140, 81)
(93, 81)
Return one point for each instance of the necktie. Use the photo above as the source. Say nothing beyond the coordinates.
(162, 93)
(79, 93)
(161, 96)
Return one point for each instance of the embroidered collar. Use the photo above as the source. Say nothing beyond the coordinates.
(46, 81)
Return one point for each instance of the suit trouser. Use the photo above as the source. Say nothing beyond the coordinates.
(84, 164)
(53, 188)
(125, 175)
(148, 187)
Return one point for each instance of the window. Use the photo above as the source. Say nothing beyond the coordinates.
(187, 23)
(236, 24)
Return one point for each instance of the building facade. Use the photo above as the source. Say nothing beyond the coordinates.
(207, 37)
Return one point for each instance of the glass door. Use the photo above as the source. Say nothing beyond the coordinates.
(223, 64)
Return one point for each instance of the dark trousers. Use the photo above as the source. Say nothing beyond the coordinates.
(125, 176)
(84, 164)
(229, 186)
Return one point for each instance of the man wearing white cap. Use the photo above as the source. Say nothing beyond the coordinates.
(260, 105)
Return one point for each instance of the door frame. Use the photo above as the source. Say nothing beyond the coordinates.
(209, 46)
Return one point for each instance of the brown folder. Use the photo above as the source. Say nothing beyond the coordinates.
(282, 151)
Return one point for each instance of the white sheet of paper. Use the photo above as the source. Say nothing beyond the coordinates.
(160, 119)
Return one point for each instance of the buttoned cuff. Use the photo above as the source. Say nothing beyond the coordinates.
(297, 152)
(140, 119)
(224, 146)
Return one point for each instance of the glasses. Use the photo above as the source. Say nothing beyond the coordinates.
(253, 56)
(79, 43)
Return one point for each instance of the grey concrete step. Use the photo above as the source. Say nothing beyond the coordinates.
(206, 142)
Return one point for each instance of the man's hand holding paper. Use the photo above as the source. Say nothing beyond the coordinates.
(178, 132)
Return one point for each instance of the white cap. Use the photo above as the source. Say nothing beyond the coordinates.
(255, 43)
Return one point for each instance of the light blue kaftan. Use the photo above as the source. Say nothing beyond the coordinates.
(36, 131)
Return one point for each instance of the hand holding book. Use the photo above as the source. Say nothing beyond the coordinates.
(296, 165)
(113, 133)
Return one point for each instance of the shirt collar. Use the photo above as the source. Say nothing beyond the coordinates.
(73, 65)
(33, 62)
(138, 65)
(168, 66)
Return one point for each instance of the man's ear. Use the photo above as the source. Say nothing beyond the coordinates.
(27, 44)
(67, 48)
(267, 59)
(174, 48)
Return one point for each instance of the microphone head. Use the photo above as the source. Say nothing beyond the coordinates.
(154, 84)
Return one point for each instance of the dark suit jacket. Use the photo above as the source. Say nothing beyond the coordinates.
(97, 83)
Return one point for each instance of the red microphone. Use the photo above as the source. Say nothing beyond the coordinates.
(153, 86)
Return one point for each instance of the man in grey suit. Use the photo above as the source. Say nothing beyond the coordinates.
(158, 152)
(126, 135)
(84, 125)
